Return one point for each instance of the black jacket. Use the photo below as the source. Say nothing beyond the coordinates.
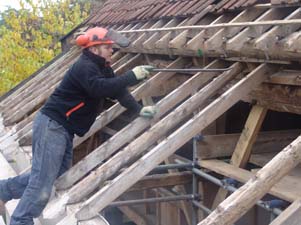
(79, 98)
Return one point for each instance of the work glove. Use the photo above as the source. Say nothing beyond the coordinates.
(148, 111)
(141, 72)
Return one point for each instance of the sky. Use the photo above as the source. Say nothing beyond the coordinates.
(11, 3)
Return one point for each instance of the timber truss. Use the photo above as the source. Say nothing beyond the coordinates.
(259, 59)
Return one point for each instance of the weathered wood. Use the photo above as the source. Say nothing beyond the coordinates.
(223, 145)
(245, 143)
(133, 215)
(180, 40)
(237, 204)
(162, 180)
(185, 206)
(98, 220)
(150, 42)
(216, 42)
(167, 147)
(137, 43)
(197, 42)
(287, 77)
(267, 42)
(137, 59)
(288, 188)
(246, 37)
(291, 215)
(143, 90)
(144, 141)
(278, 97)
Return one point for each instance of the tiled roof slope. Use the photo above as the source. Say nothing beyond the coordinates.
(122, 11)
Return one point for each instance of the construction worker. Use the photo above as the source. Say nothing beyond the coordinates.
(71, 109)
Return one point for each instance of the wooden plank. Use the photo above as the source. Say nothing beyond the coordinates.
(125, 135)
(288, 188)
(148, 138)
(245, 143)
(162, 180)
(287, 77)
(246, 36)
(214, 146)
(185, 206)
(197, 42)
(216, 42)
(180, 40)
(278, 97)
(268, 40)
(150, 42)
(237, 204)
(291, 215)
(134, 216)
(98, 220)
(167, 147)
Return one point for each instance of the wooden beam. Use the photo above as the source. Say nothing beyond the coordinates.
(143, 37)
(223, 145)
(218, 40)
(247, 36)
(148, 138)
(289, 188)
(162, 180)
(237, 204)
(133, 215)
(291, 215)
(185, 206)
(245, 143)
(267, 42)
(167, 147)
(197, 42)
(278, 97)
(286, 77)
(125, 135)
(150, 42)
(180, 40)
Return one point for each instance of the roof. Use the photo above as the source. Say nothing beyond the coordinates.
(115, 11)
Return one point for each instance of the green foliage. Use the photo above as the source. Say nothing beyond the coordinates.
(30, 36)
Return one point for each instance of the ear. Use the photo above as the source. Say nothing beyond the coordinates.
(93, 49)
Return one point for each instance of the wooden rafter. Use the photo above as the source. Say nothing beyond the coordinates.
(246, 196)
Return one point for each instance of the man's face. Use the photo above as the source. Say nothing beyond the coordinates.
(104, 51)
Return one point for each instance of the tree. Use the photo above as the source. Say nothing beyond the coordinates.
(30, 36)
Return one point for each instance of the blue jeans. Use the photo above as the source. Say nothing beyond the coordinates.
(52, 156)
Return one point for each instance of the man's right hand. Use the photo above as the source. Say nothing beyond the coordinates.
(141, 72)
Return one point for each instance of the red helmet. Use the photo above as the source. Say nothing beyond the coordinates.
(94, 36)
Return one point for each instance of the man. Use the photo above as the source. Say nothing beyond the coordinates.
(71, 109)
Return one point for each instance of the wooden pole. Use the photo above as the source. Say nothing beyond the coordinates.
(220, 25)
(291, 215)
(237, 204)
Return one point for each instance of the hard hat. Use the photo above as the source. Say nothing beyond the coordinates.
(99, 35)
